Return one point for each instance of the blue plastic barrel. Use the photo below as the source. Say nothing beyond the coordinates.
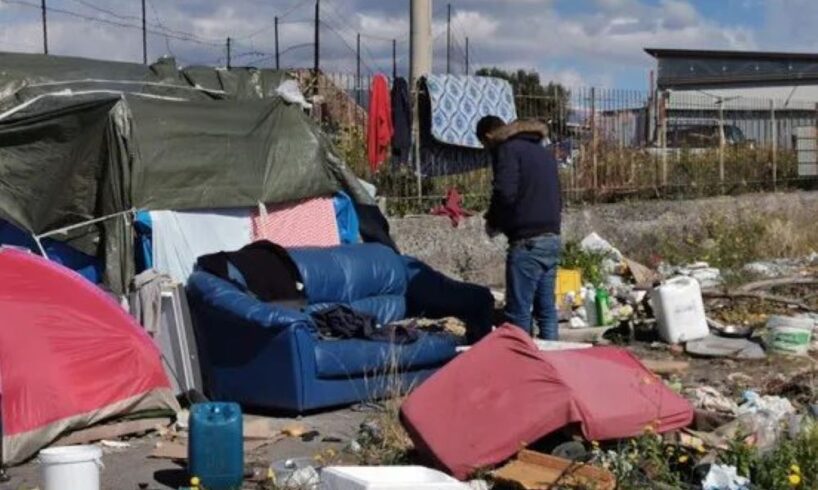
(216, 445)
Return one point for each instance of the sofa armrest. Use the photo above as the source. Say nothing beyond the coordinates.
(220, 295)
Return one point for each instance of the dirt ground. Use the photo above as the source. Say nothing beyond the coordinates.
(132, 469)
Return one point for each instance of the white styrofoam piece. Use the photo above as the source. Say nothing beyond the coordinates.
(387, 478)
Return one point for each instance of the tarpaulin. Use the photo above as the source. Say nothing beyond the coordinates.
(504, 394)
(70, 158)
(24, 76)
(69, 354)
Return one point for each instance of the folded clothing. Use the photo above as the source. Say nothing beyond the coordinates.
(342, 322)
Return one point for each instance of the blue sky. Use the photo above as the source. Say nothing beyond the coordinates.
(577, 42)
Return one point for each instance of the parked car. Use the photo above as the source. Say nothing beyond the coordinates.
(702, 137)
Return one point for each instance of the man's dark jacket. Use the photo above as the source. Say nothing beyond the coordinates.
(525, 199)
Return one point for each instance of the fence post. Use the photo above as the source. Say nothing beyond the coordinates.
(722, 144)
(594, 144)
(663, 135)
(774, 135)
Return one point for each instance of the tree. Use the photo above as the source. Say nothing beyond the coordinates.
(549, 103)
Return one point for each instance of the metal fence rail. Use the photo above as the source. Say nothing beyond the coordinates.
(612, 144)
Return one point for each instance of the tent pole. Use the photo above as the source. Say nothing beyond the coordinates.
(40, 246)
(84, 223)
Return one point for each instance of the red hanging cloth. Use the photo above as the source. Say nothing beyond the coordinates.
(379, 129)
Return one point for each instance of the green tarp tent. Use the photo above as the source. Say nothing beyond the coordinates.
(69, 157)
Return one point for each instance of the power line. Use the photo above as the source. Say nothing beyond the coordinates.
(350, 48)
(127, 17)
(281, 16)
(345, 20)
(186, 37)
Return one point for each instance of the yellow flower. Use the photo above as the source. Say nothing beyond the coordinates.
(795, 469)
(794, 480)
(683, 458)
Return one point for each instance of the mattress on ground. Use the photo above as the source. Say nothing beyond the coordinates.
(504, 394)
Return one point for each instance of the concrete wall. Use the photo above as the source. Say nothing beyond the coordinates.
(634, 227)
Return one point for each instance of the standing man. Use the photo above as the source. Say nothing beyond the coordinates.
(525, 206)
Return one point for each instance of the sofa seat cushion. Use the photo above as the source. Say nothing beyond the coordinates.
(336, 359)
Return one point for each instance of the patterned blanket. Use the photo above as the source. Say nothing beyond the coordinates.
(459, 101)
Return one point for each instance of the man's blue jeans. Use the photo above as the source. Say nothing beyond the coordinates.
(531, 271)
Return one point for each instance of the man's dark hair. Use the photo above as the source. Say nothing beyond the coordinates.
(486, 125)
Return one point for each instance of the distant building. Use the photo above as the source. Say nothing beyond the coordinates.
(764, 94)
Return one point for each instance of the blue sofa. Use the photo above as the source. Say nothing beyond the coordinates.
(271, 357)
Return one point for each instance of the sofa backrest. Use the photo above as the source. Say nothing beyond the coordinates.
(350, 273)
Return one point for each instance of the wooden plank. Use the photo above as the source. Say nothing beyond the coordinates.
(665, 367)
(178, 450)
(112, 431)
(643, 275)
(536, 471)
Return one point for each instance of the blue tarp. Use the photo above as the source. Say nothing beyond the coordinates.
(87, 266)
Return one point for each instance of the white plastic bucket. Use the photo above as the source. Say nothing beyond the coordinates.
(790, 335)
(70, 467)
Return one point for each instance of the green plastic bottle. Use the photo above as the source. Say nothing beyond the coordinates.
(603, 308)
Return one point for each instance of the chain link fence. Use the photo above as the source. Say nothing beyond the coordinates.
(610, 144)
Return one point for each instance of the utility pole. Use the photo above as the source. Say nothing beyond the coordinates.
(467, 56)
(449, 39)
(421, 39)
(317, 60)
(278, 65)
(45, 30)
(228, 53)
(358, 69)
(420, 59)
(144, 37)
(394, 59)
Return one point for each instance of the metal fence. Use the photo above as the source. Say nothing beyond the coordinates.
(611, 144)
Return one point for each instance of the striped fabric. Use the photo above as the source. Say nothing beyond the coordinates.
(308, 223)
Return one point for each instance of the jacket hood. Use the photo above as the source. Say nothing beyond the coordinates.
(517, 128)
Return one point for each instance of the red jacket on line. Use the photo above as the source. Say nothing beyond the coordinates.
(379, 128)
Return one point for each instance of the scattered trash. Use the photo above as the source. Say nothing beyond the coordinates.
(537, 471)
(721, 477)
(790, 335)
(114, 444)
(595, 243)
(286, 470)
(290, 92)
(577, 322)
(766, 416)
(680, 310)
(710, 399)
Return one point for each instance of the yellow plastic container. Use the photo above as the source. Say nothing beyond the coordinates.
(568, 281)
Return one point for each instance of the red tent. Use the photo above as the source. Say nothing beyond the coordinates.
(70, 356)
(503, 394)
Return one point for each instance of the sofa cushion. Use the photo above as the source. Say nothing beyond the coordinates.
(336, 359)
(350, 272)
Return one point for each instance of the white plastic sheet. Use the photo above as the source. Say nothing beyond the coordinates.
(179, 238)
